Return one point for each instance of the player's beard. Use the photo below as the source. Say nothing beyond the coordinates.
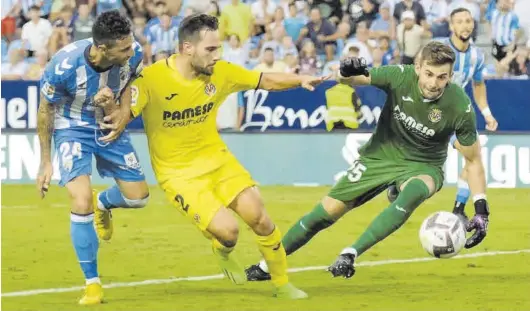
(464, 38)
(207, 71)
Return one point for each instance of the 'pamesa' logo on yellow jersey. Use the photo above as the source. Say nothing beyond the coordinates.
(188, 116)
(411, 124)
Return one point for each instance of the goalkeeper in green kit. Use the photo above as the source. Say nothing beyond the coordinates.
(407, 149)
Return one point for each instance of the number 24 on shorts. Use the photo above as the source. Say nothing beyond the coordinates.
(355, 172)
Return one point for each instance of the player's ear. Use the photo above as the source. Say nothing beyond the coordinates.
(187, 48)
(417, 66)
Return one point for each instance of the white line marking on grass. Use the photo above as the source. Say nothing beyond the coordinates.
(220, 276)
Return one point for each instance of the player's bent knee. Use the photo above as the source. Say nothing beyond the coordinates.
(228, 236)
(334, 207)
(426, 179)
(136, 203)
(82, 204)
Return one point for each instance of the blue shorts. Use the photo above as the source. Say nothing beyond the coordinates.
(75, 148)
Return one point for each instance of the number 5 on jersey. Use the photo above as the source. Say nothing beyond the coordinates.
(355, 172)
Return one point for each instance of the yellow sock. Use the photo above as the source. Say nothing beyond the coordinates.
(220, 249)
(271, 248)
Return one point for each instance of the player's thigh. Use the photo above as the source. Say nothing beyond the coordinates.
(194, 198)
(80, 191)
(119, 160)
(364, 180)
(432, 177)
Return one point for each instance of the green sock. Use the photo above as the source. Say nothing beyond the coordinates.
(306, 228)
(414, 193)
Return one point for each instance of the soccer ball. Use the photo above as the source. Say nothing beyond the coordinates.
(442, 235)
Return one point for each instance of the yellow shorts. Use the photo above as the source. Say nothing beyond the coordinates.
(201, 197)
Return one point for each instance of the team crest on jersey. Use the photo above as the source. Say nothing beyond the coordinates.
(48, 89)
(435, 115)
(125, 72)
(209, 89)
(197, 218)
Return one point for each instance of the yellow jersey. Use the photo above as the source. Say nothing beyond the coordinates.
(180, 115)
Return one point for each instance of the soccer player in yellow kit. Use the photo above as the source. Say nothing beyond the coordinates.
(178, 98)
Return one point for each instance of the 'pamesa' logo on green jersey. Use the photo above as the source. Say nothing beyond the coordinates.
(411, 124)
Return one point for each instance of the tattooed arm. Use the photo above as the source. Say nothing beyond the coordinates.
(45, 126)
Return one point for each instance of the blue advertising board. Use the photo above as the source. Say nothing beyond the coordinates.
(295, 109)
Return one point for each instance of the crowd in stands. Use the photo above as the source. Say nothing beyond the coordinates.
(308, 37)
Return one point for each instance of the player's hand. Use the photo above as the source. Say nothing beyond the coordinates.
(116, 122)
(104, 97)
(491, 123)
(479, 223)
(353, 66)
(309, 82)
(44, 178)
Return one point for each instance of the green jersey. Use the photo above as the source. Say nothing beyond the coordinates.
(412, 128)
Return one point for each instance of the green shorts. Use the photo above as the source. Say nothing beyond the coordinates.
(366, 178)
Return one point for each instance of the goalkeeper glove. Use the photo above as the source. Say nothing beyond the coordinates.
(479, 223)
(353, 66)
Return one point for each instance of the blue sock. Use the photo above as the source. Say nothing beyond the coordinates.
(86, 244)
(462, 195)
(112, 198)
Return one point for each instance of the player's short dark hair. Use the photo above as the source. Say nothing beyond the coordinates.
(34, 8)
(437, 54)
(191, 27)
(160, 3)
(109, 27)
(459, 10)
(268, 50)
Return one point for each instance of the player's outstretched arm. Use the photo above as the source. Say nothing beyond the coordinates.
(477, 184)
(45, 127)
(284, 81)
(479, 93)
(354, 71)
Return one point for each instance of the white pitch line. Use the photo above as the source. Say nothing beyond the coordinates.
(220, 276)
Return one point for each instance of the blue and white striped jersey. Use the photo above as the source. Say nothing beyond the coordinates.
(71, 82)
(162, 40)
(469, 64)
(503, 26)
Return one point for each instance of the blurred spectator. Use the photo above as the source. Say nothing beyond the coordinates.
(377, 55)
(294, 24)
(253, 59)
(522, 10)
(410, 36)
(236, 18)
(437, 17)
(263, 11)
(317, 30)
(272, 40)
(37, 31)
(362, 11)
(83, 24)
(162, 38)
(361, 42)
(139, 7)
(278, 19)
(16, 67)
(10, 11)
(504, 29)
(381, 25)
(63, 28)
(214, 9)
(329, 9)
(44, 7)
(309, 64)
(287, 47)
(108, 5)
(410, 5)
(384, 46)
(160, 8)
(139, 23)
(36, 70)
(292, 63)
(234, 51)
(520, 65)
(269, 64)
(58, 5)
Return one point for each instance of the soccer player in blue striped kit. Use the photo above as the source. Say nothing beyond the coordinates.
(77, 82)
(468, 67)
